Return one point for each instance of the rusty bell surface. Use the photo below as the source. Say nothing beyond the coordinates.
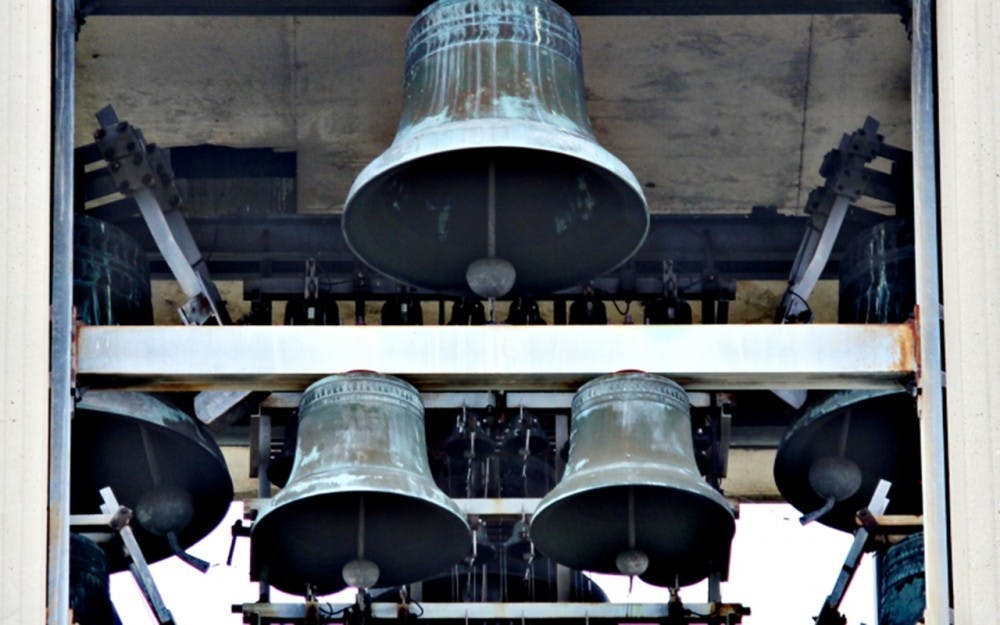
(494, 180)
(360, 506)
(158, 460)
(631, 500)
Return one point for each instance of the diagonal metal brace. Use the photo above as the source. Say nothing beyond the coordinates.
(829, 614)
(120, 517)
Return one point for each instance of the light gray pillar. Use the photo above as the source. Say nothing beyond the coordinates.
(25, 67)
(969, 128)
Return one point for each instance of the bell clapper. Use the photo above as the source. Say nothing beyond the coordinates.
(491, 277)
(834, 478)
(631, 562)
(361, 573)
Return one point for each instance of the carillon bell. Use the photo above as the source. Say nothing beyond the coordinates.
(360, 506)
(494, 180)
(158, 461)
(831, 459)
(631, 500)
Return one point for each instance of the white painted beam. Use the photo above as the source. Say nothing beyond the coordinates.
(496, 357)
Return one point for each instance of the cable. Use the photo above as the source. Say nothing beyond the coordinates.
(628, 304)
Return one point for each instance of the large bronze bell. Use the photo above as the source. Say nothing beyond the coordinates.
(631, 500)
(494, 178)
(360, 506)
(158, 460)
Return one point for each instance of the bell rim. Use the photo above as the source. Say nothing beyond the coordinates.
(720, 512)
(493, 133)
(267, 525)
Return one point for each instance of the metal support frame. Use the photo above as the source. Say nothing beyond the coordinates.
(515, 612)
(829, 614)
(847, 180)
(61, 374)
(888, 360)
(930, 377)
(143, 172)
(554, 358)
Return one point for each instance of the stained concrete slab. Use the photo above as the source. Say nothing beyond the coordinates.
(714, 114)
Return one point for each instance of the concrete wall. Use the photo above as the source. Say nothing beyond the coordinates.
(24, 297)
(969, 130)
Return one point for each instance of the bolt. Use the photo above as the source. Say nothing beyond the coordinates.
(124, 186)
(114, 165)
(130, 146)
(148, 180)
(100, 133)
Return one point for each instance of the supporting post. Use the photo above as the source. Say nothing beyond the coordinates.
(930, 402)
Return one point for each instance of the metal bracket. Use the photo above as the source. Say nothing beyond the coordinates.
(142, 171)
(119, 521)
(847, 180)
(828, 614)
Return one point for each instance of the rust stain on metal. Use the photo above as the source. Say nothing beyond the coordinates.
(914, 328)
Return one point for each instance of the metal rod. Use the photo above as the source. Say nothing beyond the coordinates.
(61, 398)
(930, 402)
(491, 211)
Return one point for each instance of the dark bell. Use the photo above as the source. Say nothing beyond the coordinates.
(667, 311)
(494, 158)
(467, 312)
(159, 462)
(312, 312)
(842, 446)
(402, 310)
(588, 310)
(524, 311)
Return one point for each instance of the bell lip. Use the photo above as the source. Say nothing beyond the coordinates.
(722, 510)
(262, 529)
(485, 133)
(812, 414)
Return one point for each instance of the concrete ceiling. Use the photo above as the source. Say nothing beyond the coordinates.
(713, 114)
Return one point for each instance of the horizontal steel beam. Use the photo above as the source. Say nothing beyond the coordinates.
(453, 358)
(412, 7)
(757, 245)
(465, 612)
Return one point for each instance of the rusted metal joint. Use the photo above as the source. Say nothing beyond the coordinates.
(120, 519)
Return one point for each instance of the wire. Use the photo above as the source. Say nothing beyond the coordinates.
(808, 311)
(417, 603)
(628, 304)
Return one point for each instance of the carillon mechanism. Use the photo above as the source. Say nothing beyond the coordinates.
(360, 507)
(494, 181)
(632, 500)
